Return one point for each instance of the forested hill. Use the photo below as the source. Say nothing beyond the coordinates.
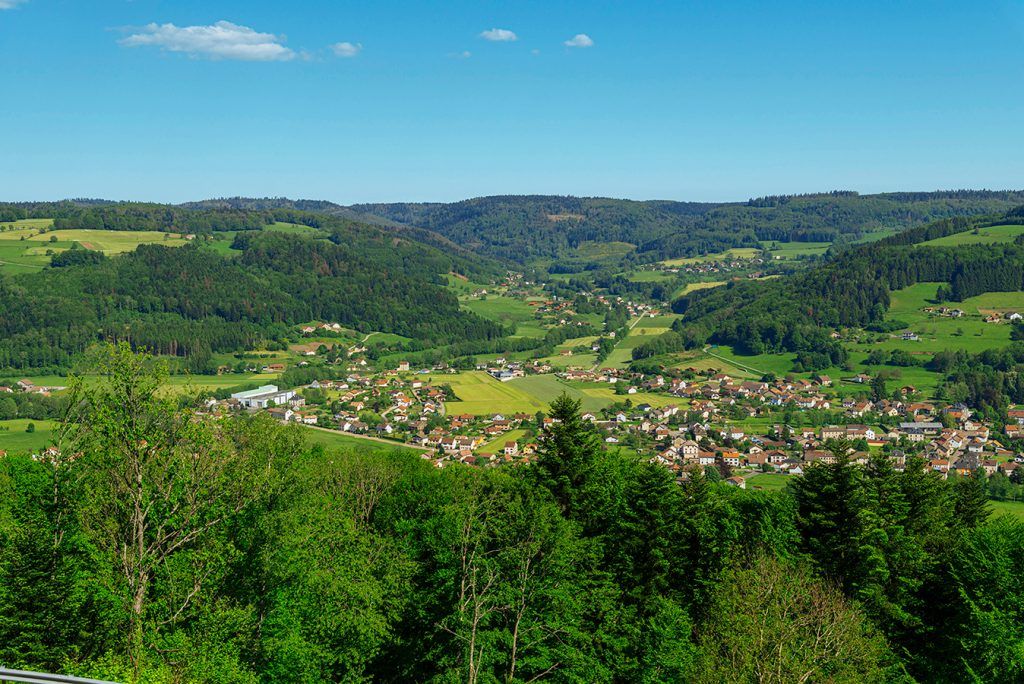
(192, 301)
(523, 228)
(851, 289)
(238, 214)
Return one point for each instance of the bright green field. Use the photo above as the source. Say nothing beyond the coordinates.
(792, 250)
(691, 287)
(984, 236)
(768, 481)
(644, 330)
(508, 311)
(650, 276)
(498, 443)
(937, 333)
(19, 255)
(16, 440)
(337, 440)
(107, 241)
(481, 395)
(27, 223)
(734, 253)
(293, 229)
(1015, 508)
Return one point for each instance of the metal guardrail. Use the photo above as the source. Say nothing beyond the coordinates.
(23, 677)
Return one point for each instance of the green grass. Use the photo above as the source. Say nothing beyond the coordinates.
(768, 481)
(692, 287)
(481, 395)
(293, 229)
(984, 236)
(650, 276)
(34, 224)
(25, 249)
(938, 333)
(734, 253)
(497, 444)
(509, 311)
(14, 439)
(1014, 508)
(792, 250)
(342, 442)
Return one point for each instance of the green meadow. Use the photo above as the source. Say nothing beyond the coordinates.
(981, 236)
(14, 439)
(339, 441)
(1014, 508)
(734, 253)
(769, 481)
(510, 311)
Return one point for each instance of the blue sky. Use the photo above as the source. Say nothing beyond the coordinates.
(172, 100)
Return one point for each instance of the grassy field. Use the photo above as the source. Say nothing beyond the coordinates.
(508, 311)
(293, 229)
(792, 250)
(734, 253)
(693, 287)
(937, 333)
(342, 442)
(481, 395)
(1015, 508)
(650, 276)
(497, 444)
(14, 439)
(644, 330)
(983, 236)
(768, 481)
(26, 249)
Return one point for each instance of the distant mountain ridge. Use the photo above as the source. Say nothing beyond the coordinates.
(531, 227)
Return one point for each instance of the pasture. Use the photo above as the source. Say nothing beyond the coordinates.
(981, 236)
(26, 249)
(14, 439)
(772, 482)
(734, 253)
(794, 250)
(969, 332)
(338, 441)
(497, 444)
(1014, 508)
(509, 311)
(481, 395)
(693, 287)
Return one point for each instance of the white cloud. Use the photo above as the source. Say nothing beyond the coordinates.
(580, 40)
(347, 49)
(222, 40)
(10, 4)
(499, 35)
(465, 54)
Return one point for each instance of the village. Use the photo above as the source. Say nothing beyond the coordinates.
(718, 423)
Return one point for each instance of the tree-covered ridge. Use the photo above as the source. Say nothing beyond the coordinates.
(235, 554)
(190, 301)
(851, 289)
(521, 228)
